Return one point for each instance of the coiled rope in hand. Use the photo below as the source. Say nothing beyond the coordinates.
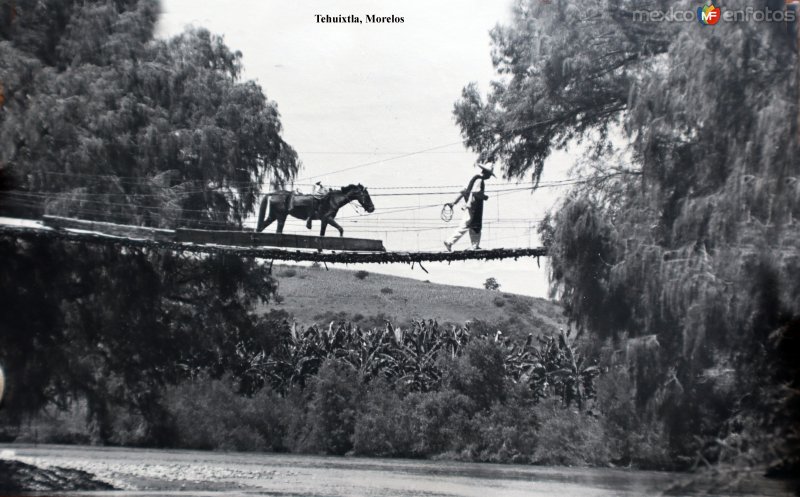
(447, 213)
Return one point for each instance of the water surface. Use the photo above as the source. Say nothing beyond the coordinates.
(140, 472)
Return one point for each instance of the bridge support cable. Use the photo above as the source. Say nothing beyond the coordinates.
(31, 233)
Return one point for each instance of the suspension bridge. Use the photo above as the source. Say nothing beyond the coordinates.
(242, 243)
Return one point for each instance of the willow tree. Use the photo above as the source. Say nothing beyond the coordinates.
(684, 233)
(103, 121)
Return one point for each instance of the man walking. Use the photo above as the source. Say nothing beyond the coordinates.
(472, 219)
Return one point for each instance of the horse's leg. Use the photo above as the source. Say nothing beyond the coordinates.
(274, 213)
(281, 222)
(322, 228)
(266, 223)
(288, 210)
(336, 225)
(262, 211)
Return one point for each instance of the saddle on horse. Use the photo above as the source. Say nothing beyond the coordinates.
(310, 203)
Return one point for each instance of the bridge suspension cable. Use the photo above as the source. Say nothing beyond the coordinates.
(31, 233)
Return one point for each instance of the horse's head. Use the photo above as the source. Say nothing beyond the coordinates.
(364, 199)
(360, 193)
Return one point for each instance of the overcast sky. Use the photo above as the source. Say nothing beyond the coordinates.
(356, 94)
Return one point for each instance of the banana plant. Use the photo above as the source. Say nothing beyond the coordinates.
(550, 364)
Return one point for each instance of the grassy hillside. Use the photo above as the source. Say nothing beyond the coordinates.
(316, 295)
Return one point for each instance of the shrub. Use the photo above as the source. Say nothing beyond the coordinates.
(519, 305)
(295, 405)
(361, 274)
(210, 414)
(514, 326)
(332, 411)
(328, 316)
(615, 394)
(130, 428)
(386, 290)
(567, 437)
(441, 421)
(479, 373)
(385, 426)
(499, 301)
(491, 284)
(288, 273)
(375, 321)
(507, 433)
(55, 426)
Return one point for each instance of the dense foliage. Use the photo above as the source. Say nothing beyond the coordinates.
(411, 360)
(681, 245)
(676, 258)
(111, 327)
(421, 392)
(102, 121)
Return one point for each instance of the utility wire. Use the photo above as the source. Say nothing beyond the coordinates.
(521, 127)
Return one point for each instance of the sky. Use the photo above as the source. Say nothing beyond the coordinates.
(377, 100)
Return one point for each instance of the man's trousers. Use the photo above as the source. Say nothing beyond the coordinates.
(463, 227)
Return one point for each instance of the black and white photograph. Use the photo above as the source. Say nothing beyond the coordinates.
(390, 248)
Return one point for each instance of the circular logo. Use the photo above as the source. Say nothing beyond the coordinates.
(708, 15)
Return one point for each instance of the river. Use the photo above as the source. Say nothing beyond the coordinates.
(142, 472)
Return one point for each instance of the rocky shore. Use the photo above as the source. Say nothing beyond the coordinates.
(16, 477)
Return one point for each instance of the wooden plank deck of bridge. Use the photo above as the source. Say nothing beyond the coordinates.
(218, 237)
(113, 229)
(270, 253)
(253, 239)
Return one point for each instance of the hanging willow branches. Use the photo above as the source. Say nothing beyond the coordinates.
(696, 242)
(151, 130)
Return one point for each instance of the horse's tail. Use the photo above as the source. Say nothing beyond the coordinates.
(262, 212)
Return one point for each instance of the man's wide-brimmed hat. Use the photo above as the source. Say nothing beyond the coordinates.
(489, 168)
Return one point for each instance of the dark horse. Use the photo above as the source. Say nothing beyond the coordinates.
(308, 207)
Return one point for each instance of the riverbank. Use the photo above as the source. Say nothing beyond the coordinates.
(145, 472)
(16, 476)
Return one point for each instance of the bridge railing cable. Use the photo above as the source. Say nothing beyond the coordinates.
(29, 233)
